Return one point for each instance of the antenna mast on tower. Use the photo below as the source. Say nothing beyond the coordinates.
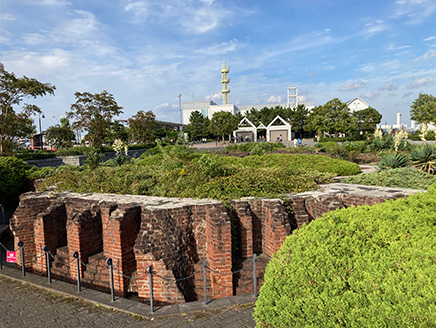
(225, 81)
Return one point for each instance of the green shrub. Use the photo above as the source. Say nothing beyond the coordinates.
(376, 144)
(392, 161)
(13, 178)
(242, 182)
(210, 165)
(424, 158)
(30, 154)
(356, 267)
(93, 159)
(256, 148)
(296, 161)
(404, 177)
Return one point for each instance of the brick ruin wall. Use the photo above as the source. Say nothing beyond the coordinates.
(173, 236)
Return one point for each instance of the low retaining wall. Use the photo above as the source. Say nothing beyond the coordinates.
(173, 236)
(79, 159)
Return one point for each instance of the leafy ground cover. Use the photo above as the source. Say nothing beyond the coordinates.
(175, 171)
(370, 266)
(405, 177)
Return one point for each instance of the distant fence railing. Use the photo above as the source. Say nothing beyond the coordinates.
(49, 257)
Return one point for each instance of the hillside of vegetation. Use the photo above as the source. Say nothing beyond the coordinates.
(177, 171)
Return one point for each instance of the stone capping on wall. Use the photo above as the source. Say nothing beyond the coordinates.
(173, 235)
(79, 159)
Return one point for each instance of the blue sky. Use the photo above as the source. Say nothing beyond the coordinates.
(147, 52)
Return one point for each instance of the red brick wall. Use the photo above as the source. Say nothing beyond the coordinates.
(174, 237)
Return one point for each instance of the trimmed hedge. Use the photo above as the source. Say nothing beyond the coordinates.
(356, 267)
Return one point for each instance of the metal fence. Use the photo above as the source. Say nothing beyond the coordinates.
(50, 258)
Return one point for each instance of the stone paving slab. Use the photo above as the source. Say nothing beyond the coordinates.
(192, 314)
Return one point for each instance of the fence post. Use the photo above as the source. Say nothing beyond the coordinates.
(204, 282)
(76, 256)
(23, 269)
(111, 267)
(46, 249)
(150, 280)
(254, 275)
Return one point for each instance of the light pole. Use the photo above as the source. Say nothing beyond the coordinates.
(56, 119)
(40, 131)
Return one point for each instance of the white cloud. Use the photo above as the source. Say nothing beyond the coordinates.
(414, 11)
(79, 29)
(274, 99)
(370, 95)
(33, 39)
(302, 99)
(374, 28)
(49, 62)
(220, 48)
(429, 54)
(138, 8)
(367, 68)
(166, 111)
(197, 16)
(353, 85)
(214, 97)
(430, 38)
(53, 2)
(389, 87)
(7, 17)
(420, 82)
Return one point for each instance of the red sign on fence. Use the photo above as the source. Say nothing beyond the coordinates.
(11, 257)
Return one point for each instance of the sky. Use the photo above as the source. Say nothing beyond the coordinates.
(147, 52)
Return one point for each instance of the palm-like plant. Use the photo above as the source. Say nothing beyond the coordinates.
(392, 161)
(424, 158)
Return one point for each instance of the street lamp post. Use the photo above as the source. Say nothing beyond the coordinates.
(40, 131)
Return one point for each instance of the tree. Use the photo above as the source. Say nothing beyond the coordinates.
(367, 119)
(60, 135)
(223, 123)
(423, 109)
(142, 126)
(333, 117)
(12, 92)
(298, 117)
(198, 125)
(119, 131)
(94, 112)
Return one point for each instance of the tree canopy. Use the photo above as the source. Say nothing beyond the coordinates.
(367, 119)
(333, 117)
(13, 90)
(423, 109)
(198, 126)
(142, 126)
(61, 135)
(94, 112)
(223, 123)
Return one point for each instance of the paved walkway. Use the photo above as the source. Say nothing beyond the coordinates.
(31, 301)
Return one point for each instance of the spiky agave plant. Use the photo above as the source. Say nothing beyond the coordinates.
(392, 161)
(424, 158)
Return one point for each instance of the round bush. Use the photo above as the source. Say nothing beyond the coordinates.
(358, 267)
